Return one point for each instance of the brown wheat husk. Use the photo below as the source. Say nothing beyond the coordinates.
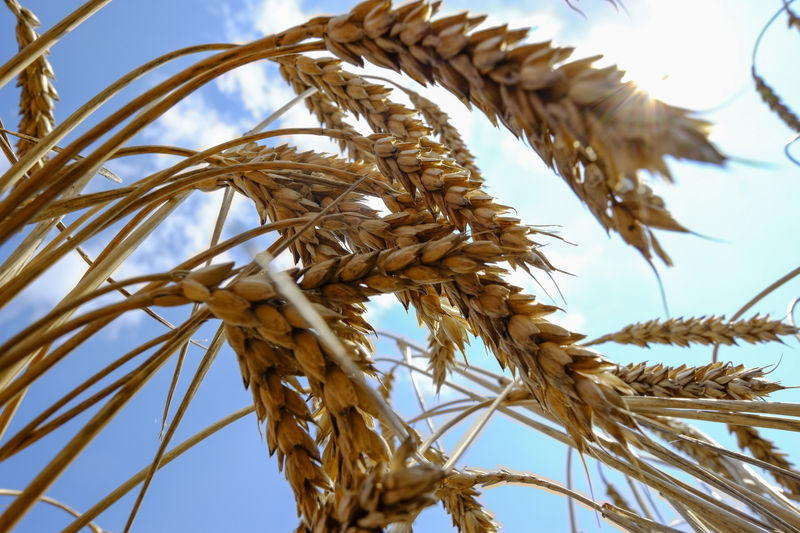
(446, 187)
(269, 335)
(492, 305)
(448, 135)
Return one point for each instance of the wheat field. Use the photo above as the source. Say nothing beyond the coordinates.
(297, 249)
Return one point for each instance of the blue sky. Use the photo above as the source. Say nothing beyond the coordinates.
(689, 53)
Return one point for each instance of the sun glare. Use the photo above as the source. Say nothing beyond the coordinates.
(670, 51)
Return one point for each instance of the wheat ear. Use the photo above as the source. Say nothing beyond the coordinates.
(722, 381)
(597, 131)
(749, 439)
(701, 330)
(774, 102)
(36, 80)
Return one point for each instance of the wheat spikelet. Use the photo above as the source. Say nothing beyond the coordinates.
(38, 93)
(616, 497)
(279, 199)
(511, 323)
(266, 370)
(449, 336)
(422, 167)
(362, 234)
(354, 94)
(460, 499)
(417, 166)
(749, 439)
(774, 102)
(722, 381)
(700, 330)
(356, 277)
(378, 499)
(329, 115)
(286, 413)
(439, 121)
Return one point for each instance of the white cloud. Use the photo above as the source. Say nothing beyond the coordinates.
(378, 307)
(273, 16)
(50, 287)
(261, 18)
(193, 123)
(258, 18)
(251, 84)
(183, 234)
(700, 68)
(543, 26)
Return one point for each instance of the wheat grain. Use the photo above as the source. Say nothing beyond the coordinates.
(449, 336)
(328, 114)
(417, 164)
(273, 335)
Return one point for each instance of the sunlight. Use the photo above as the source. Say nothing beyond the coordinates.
(671, 51)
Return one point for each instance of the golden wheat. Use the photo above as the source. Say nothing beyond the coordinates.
(701, 330)
(38, 93)
(715, 380)
(442, 245)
